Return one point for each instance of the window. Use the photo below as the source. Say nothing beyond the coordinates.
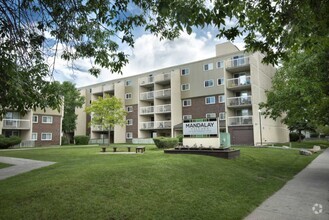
(129, 135)
(221, 99)
(34, 136)
(187, 117)
(187, 102)
(209, 83)
(185, 71)
(46, 136)
(220, 81)
(210, 100)
(129, 121)
(129, 109)
(35, 119)
(220, 64)
(208, 66)
(128, 95)
(128, 82)
(222, 116)
(211, 115)
(47, 119)
(185, 87)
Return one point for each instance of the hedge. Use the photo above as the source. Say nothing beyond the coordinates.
(293, 136)
(81, 140)
(6, 142)
(164, 142)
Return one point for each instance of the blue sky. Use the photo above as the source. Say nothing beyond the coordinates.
(149, 53)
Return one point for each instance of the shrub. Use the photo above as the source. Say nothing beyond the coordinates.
(180, 138)
(164, 142)
(293, 136)
(6, 142)
(314, 135)
(65, 140)
(81, 140)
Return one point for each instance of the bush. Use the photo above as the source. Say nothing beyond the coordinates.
(180, 138)
(314, 135)
(164, 142)
(293, 136)
(81, 140)
(65, 140)
(6, 142)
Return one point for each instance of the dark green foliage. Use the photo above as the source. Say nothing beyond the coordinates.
(65, 140)
(293, 136)
(6, 142)
(81, 140)
(314, 135)
(180, 138)
(165, 142)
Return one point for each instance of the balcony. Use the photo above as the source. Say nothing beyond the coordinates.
(237, 64)
(146, 110)
(99, 128)
(156, 125)
(108, 87)
(97, 90)
(236, 102)
(242, 82)
(163, 109)
(163, 94)
(147, 95)
(17, 124)
(240, 120)
(145, 81)
(163, 78)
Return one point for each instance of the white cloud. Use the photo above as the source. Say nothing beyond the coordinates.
(149, 53)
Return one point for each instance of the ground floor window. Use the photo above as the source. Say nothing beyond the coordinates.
(46, 136)
(34, 136)
(129, 135)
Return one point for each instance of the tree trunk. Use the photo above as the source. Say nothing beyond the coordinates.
(299, 136)
(109, 136)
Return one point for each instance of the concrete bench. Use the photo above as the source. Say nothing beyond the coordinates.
(138, 148)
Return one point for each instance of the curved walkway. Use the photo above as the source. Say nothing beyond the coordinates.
(306, 196)
(20, 166)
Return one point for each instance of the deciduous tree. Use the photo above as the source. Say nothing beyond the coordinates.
(107, 112)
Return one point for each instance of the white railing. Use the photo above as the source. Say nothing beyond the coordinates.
(163, 108)
(108, 87)
(239, 101)
(147, 110)
(156, 125)
(146, 80)
(236, 82)
(99, 128)
(16, 124)
(147, 95)
(240, 120)
(28, 143)
(236, 62)
(163, 93)
(162, 77)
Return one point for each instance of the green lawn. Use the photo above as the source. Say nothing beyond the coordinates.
(86, 185)
(3, 165)
(308, 144)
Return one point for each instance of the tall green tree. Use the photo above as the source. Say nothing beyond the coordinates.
(300, 92)
(72, 100)
(107, 112)
(96, 28)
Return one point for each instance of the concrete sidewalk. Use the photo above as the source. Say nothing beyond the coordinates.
(306, 196)
(20, 166)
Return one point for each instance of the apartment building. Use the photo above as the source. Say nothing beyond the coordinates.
(36, 128)
(227, 87)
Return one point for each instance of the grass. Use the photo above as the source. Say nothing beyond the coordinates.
(4, 165)
(308, 144)
(86, 185)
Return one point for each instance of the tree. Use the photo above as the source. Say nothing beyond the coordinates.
(107, 112)
(95, 28)
(300, 92)
(72, 100)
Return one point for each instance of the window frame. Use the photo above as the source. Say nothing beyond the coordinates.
(222, 81)
(35, 121)
(219, 98)
(187, 100)
(208, 98)
(210, 66)
(208, 80)
(129, 135)
(221, 62)
(186, 72)
(47, 133)
(187, 85)
(36, 136)
(222, 116)
(47, 116)
(129, 108)
(128, 82)
(128, 96)
(130, 122)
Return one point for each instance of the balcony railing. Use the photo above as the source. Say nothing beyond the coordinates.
(156, 125)
(240, 120)
(146, 80)
(163, 108)
(162, 77)
(16, 124)
(237, 62)
(242, 81)
(147, 95)
(165, 93)
(146, 110)
(239, 101)
(99, 128)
